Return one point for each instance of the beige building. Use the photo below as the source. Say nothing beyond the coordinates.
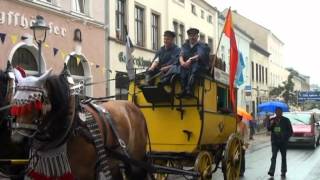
(264, 38)
(301, 82)
(66, 19)
(145, 22)
(259, 67)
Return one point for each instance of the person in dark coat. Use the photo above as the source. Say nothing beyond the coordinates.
(165, 58)
(281, 131)
(193, 59)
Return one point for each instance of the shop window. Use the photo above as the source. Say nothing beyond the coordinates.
(122, 85)
(24, 58)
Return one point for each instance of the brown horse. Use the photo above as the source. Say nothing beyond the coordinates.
(46, 112)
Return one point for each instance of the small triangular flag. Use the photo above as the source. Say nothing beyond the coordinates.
(14, 39)
(23, 38)
(97, 65)
(46, 45)
(78, 60)
(55, 51)
(2, 37)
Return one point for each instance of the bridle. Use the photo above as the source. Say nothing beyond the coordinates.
(36, 100)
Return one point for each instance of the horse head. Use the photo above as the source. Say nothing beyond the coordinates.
(30, 102)
(41, 106)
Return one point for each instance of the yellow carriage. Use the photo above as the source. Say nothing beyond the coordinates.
(197, 132)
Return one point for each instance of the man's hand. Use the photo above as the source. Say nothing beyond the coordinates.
(165, 68)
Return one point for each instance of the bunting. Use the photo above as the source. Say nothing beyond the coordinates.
(14, 38)
(55, 51)
(2, 37)
(78, 60)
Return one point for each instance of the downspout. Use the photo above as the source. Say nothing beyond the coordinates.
(107, 45)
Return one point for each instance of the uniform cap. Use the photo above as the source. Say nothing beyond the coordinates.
(193, 31)
(170, 34)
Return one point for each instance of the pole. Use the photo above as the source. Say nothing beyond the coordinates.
(217, 49)
(39, 56)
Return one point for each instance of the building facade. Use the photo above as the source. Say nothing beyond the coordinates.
(259, 70)
(301, 82)
(145, 21)
(69, 40)
(265, 39)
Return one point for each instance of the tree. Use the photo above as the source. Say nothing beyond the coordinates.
(286, 90)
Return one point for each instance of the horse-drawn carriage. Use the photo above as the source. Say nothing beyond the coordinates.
(197, 132)
(189, 137)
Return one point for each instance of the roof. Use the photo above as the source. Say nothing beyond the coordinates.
(256, 47)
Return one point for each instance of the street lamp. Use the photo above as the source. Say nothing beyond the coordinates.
(39, 28)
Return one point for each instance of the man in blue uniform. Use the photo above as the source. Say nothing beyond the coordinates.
(194, 59)
(165, 59)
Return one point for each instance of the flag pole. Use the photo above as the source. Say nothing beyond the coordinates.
(218, 47)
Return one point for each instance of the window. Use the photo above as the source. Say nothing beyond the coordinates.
(155, 31)
(176, 30)
(122, 85)
(252, 71)
(47, 1)
(182, 1)
(209, 19)
(222, 98)
(78, 72)
(202, 38)
(181, 34)
(139, 25)
(257, 73)
(222, 53)
(262, 74)
(193, 9)
(266, 75)
(210, 44)
(202, 14)
(120, 20)
(24, 58)
(81, 6)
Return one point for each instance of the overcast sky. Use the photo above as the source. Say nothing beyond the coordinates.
(296, 23)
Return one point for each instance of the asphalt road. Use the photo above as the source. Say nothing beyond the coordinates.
(303, 163)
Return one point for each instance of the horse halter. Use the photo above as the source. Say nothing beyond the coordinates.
(30, 98)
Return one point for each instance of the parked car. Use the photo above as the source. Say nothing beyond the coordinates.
(305, 128)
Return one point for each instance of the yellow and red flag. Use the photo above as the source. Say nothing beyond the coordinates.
(228, 30)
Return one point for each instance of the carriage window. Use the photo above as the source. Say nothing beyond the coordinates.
(222, 98)
(25, 59)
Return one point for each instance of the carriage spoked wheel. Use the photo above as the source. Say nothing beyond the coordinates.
(203, 165)
(232, 158)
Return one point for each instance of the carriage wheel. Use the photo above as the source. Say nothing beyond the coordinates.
(232, 158)
(203, 165)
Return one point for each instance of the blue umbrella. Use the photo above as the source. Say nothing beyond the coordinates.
(272, 105)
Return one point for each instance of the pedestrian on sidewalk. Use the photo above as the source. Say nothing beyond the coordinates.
(252, 125)
(281, 130)
(242, 129)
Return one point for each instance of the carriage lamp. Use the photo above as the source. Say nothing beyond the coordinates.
(39, 28)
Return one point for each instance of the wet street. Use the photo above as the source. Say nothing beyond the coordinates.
(303, 163)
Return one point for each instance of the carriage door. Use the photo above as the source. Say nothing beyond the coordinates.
(78, 67)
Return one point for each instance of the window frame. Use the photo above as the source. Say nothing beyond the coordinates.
(193, 9)
(155, 30)
(181, 34)
(210, 43)
(202, 14)
(140, 41)
(119, 25)
(209, 18)
(85, 7)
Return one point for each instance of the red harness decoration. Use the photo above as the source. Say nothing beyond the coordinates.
(37, 176)
(26, 108)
